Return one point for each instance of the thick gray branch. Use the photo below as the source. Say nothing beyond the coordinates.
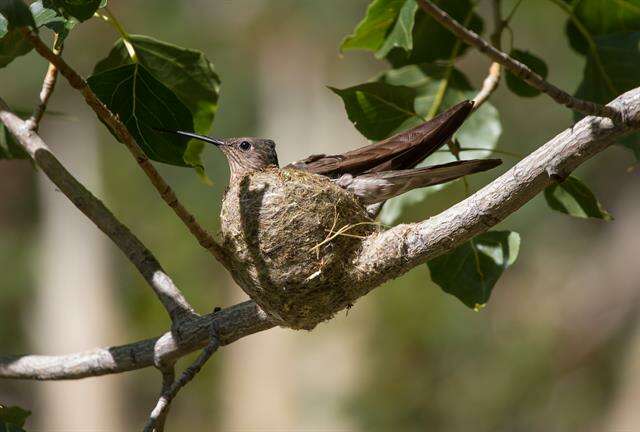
(170, 296)
(385, 256)
(231, 324)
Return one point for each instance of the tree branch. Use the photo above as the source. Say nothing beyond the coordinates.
(205, 239)
(168, 378)
(164, 288)
(48, 85)
(518, 69)
(231, 324)
(384, 256)
(170, 390)
(492, 81)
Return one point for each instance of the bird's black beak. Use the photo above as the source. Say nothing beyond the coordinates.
(214, 141)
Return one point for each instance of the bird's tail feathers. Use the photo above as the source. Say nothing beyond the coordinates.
(377, 187)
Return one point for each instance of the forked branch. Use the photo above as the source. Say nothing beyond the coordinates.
(172, 299)
(386, 255)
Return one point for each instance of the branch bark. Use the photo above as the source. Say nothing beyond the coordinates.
(518, 69)
(205, 239)
(172, 299)
(171, 388)
(385, 255)
(48, 85)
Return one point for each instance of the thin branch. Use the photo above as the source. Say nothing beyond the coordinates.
(168, 378)
(384, 255)
(518, 69)
(172, 299)
(159, 413)
(492, 81)
(205, 239)
(48, 85)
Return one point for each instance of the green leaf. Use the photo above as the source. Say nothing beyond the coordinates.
(12, 418)
(12, 45)
(598, 17)
(372, 31)
(608, 36)
(470, 271)
(574, 198)
(144, 103)
(81, 10)
(186, 72)
(433, 42)
(378, 109)
(9, 149)
(53, 20)
(535, 63)
(401, 34)
(612, 70)
(16, 14)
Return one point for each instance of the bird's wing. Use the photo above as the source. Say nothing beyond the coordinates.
(401, 151)
(376, 187)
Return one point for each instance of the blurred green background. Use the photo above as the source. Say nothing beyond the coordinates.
(557, 348)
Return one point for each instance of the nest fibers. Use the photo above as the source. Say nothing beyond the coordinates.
(292, 236)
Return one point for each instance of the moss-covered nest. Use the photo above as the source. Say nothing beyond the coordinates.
(292, 235)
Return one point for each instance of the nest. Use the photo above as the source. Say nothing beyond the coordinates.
(292, 236)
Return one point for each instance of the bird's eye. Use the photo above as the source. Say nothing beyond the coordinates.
(245, 145)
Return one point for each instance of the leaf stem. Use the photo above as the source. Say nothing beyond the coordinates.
(444, 84)
(126, 38)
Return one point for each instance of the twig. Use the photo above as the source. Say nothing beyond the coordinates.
(159, 413)
(492, 81)
(174, 302)
(48, 85)
(518, 69)
(168, 378)
(205, 239)
(384, 255)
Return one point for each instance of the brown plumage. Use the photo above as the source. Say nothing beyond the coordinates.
(373, 173)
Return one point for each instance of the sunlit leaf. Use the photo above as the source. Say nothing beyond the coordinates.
(372, 31)
(401, 34)
(576, 199)
(144, 103)
(535, 63)
(471, 271)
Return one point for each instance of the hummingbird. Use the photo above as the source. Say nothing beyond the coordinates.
(373, 173)
(292, 231)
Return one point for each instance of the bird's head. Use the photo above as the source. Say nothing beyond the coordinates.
(245, 155)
